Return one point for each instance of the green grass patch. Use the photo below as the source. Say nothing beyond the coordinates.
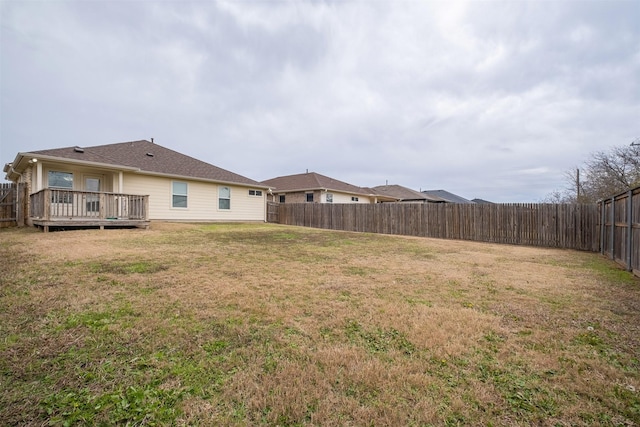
(254, 324)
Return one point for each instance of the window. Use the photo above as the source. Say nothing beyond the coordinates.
(281, 198)
(354, 199)
(255, 193)
(224, 198)
(310, 197)
(61, 180)
(329, 198)
(179, 195)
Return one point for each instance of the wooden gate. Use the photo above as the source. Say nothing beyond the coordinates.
(273, 212)
(8, 205)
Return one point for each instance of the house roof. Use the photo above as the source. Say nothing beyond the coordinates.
(140, 156)
(314, 181)
(403, 193)
(481, 201)
(446, 196)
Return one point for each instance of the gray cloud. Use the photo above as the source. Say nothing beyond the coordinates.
(486, 99)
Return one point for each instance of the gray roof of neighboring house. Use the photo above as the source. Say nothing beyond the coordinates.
(446, 196)
(481, 201)
(314, 181)
(144, 156)
(405, 194)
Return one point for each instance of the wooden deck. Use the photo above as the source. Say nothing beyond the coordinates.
(67, 209)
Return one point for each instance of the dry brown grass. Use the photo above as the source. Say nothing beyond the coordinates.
(233, 324)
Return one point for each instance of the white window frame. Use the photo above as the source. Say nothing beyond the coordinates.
(174, 194)
(255, 193)
(49, 172)
(329, 198)
(220, 198)
(61, 197)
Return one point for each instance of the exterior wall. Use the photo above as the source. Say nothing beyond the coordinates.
(321, 197)
(27, 179)
(79, 174)
(346, 198)
(202, 200)
(298, 197)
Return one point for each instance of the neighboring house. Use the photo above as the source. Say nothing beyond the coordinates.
(312, 187)
(131, 181)
(406, 195)
(481, 201)
(446, 196)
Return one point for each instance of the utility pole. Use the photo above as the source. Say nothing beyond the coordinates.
(577, 185)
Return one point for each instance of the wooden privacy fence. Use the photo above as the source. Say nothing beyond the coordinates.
(574, 226)
(8, 205)
(620, 233)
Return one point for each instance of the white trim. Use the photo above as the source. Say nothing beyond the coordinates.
(174, 194)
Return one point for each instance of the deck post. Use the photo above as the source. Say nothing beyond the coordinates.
(102, 208)
(47, 204)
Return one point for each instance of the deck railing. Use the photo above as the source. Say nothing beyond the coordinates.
(54, 204)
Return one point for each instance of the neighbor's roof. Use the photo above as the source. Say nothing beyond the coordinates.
(141, 156)
(404, 193)
(446, 196)
(314, 181)
(481, 201)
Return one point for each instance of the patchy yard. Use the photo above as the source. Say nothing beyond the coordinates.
(263, 324)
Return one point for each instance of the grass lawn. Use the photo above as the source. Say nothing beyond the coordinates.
(255, 324)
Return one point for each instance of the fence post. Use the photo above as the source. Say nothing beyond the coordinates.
(629, 230)
(603, 224)
(613, 227)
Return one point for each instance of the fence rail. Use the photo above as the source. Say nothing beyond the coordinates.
(574, 226)
(620, 231)
(52, 204)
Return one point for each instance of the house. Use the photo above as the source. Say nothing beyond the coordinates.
(130, 183)
(481, 201)
(313, 187)
(406, 195)
(446, 196)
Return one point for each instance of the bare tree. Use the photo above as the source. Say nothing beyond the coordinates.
(605, 173)
(608, 173)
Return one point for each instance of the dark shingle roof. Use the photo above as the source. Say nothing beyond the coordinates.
(446, 196)
(146, 156)
(313, 181)
(481, 201)
(404, 193)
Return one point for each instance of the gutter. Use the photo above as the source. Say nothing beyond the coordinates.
(22, 156)
(73, 161)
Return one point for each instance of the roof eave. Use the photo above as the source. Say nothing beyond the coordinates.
(199, 179)
(21, 156)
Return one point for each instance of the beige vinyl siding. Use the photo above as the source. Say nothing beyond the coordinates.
(346, 198)
(79, 174)
(202, 200)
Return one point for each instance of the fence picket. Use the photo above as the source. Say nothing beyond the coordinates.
(561, 226)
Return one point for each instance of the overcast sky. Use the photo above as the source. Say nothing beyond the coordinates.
(487, 99)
